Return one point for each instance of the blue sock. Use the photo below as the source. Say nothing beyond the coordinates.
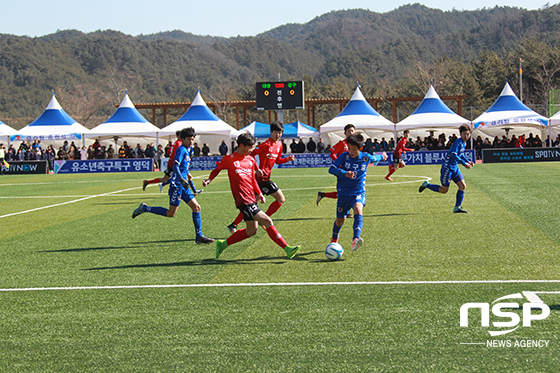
(460, 196)
(358, 224)
(197, 221)
(433, 187)
(335, 231)
(156, 210)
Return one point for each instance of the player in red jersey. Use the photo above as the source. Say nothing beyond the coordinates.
(399, 150)
(339, 148)
(241, 169)
(169, 171)
(269, 153)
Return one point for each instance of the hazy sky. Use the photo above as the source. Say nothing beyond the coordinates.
(201, 17)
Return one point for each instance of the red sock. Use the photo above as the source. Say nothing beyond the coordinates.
(240, 235)
(331, 195)
(276, 237)
(238, 219)
(391, 171)
(154, 181)
(274, 206)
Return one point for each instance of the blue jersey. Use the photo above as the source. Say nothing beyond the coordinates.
(181, 164)
(344, 163)
(455, 155)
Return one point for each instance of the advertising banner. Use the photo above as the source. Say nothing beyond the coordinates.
(103, 165)
(25, 167)
(520, 155)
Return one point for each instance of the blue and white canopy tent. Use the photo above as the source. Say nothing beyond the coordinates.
(291, 131)
(5, 132)
(364, 117)
(210, 129)
(508, 115)
(432, 115)
(52, 125)
(554, 126)
(126, 122)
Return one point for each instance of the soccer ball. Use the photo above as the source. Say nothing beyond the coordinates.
(334, 251)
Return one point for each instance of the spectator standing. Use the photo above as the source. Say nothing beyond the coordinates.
(368, 146)
(50, 157)
(293, 146)
(300, 146)
(311, 145)
(284, 147)
(110, 152)
(223, 148)
(205, 150)
(159, 155)
(122, 152)
(196, 150)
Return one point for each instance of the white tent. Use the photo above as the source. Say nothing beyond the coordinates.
(364, 117)
(6, 131)
(291, 130)
(52, 125)
(432, 115)
(554, 129)
(210, 129)
(126, 121)
(508, 115)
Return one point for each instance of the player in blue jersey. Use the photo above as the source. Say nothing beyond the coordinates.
(179, 187)
(350, 168)
(450, 170)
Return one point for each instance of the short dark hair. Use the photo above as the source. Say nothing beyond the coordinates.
(356, 139)
(406, 132)
(246, 139)
(348, 126)
(276, 126)
(464, 128)
(187, 132)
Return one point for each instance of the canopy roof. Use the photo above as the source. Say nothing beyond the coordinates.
(508, 110)
(125, 121)
(52, 124)
(432, 113)
(201, 118)
(291, 130)
(359, 113)
(555, 119)
(6, 131)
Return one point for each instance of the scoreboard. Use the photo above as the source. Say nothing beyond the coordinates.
(280, 95)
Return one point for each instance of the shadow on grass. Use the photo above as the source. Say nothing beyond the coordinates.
(115, 247)
(211, 261)
(333, 217)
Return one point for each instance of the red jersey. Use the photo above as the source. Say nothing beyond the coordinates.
(174, 148)
(241, 173)
(400, 148)
(339, 148)
(269, 153)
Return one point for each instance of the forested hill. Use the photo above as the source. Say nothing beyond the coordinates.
(394, 53)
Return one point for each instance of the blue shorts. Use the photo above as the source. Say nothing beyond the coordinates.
(448, 174)
(345, 203)
(176, 194)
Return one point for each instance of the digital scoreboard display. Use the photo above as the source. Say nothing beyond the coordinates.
(280, 95)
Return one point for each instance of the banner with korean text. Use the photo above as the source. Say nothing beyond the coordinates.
(103, 165)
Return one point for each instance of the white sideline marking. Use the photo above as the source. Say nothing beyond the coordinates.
(286, 284)
(66, 203)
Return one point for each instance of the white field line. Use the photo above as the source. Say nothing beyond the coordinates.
(283, 284)
(66, 203)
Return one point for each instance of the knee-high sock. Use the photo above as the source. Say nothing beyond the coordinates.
(197, 221)
(392, 170)
(276, 237)
(459, 198)
(331, 195)
(238, 219)
(154, 181)
(358, 224)
(274, 206)
(335, 231)
(240, 235)
(156, 210)
(433, 187)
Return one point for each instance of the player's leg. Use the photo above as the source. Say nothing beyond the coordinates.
(461, 185)
(391, 171)
(196, 217)
(156, 180)
(279, 200)
(358, 207)
(174, 201)
(265, 220)
(445, 179)
(321, 195)
(247, 211)
(343, 206)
